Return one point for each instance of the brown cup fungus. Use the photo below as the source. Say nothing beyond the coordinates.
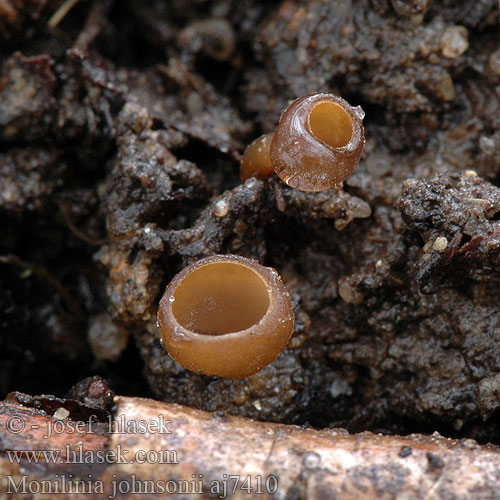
(316, 146)
(225, 315)
(256, 160)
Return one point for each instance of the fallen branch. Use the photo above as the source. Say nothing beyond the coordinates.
(170, 451)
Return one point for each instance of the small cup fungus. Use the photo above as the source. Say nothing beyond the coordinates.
(225, 315)
(256, 160)
(316, 146)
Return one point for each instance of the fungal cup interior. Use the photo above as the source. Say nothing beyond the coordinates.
(220, 298)
(331, 124)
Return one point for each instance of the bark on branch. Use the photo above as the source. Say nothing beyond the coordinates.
(212, 455)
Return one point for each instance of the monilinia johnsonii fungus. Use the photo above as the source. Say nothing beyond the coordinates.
(225, 315)
(318, 142)
(316, 146)
(256, 160)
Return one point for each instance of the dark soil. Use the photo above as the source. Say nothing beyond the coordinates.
(120, 133)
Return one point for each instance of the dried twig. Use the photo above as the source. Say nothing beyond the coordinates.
(61, 13)
(96, 20)
(208, 455)
(77, 232)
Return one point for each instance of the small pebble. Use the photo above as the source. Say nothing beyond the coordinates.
(405, 451)
(61, 414)
(220, 209)
(107, 340)
(455, 41)
(440, 244)
(487, 145)
(445, 88)
(346, 292)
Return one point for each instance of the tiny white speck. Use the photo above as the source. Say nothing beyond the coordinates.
(358, 111)
(61, 414)
(221, 208)
(440, 244)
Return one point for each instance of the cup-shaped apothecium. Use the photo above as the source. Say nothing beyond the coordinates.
(316, 146)
(256, 160)
(225, 315)
(318, 142)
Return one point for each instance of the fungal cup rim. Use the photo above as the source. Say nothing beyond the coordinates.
(177, 280)
(356, 121)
